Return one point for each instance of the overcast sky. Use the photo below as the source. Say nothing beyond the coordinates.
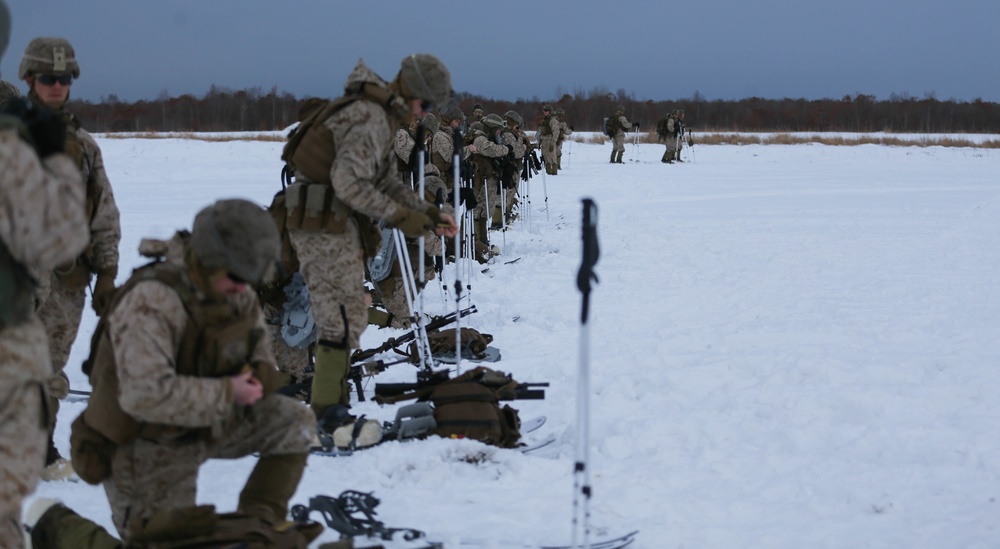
(660, 50)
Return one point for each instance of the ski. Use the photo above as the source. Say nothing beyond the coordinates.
(366, 542)
(531, 446)
(532, 425)
(528, 426)
(491, 354)
(602, 543)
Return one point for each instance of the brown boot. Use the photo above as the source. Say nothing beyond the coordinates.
(272, 483)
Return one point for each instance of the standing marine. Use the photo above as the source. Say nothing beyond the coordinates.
(616, 127)
(490, 152)
(49, 67)
(42, 225)
(510, 177)
(346, 178)
(549, 131)
(671, 131)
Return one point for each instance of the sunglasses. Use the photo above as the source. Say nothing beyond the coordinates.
(426, 105)
(51, 79)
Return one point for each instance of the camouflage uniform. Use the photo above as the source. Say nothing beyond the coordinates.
(477, 113)
(41, 212)
(564, 132)
(365, 180)
(443, 146)
(512, 136)
(62, 293)
(548, 135)
(672, 125)
(487, 175)
(620, 125)
(162, 370)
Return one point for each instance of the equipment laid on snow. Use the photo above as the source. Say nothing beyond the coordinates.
(468, 406)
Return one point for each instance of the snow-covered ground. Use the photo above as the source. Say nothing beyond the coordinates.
(792, 346)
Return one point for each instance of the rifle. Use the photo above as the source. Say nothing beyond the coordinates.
(392, 343)
(361, 369)
(391, 393)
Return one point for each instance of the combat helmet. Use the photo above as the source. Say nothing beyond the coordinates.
(430, 122)
(451, 113)
(514, 117)
(493, 121)
(425, 77)
(48, 55)
(547, 107)
(238, 236)
(620, 109)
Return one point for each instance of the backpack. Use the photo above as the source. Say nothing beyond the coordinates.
(609, 126)
(661, 129)
(310, 144)
(468, 407)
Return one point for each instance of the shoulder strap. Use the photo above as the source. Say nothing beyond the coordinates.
(156, 270)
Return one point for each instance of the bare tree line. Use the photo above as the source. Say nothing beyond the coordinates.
(222, 109)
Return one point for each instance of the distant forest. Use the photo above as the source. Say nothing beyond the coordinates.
(225, 110)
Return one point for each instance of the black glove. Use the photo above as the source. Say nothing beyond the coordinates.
(635, 126)
(46, 129)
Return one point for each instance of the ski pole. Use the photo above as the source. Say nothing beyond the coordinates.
(410, 290)
(456, 161)
(545, 191)
(581, 474)
(421, 277)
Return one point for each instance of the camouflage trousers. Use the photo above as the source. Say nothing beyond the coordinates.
(24, 364)
(509, 199)
(618, 142)
(61, 313)
(486, 190)
(149, 476)
(290, 360)
(548, 146)
(332, 266)
(673, 149)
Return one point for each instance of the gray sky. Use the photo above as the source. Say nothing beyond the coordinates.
(661, 50)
